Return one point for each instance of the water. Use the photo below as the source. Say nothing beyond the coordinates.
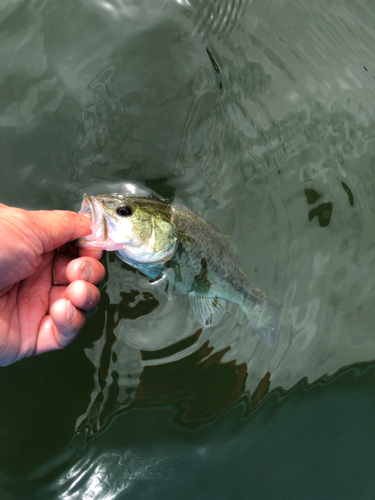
(258, 116)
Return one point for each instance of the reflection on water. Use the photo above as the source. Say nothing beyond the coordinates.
(108, 476)
(258, 116)
(203, 384)
(195, 376)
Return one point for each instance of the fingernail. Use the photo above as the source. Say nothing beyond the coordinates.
(90, 295)
(86, 272)
(70, 311)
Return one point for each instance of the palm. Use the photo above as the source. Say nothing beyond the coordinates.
(24, 306)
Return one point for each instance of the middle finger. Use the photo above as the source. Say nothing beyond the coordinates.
(60, 263)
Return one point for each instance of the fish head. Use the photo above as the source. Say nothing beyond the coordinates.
(139, 228)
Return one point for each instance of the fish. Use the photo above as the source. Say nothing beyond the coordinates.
(183, 253)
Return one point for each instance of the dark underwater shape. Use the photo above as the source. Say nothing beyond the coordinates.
(323, 212)
(349, 193)
(312, 196)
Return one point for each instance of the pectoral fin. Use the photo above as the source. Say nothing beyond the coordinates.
(208, 310)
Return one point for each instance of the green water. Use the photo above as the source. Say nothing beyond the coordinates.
(259, 116)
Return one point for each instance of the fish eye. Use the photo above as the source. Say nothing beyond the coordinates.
(124, 211)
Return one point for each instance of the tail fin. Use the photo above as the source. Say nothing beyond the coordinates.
(264, 319)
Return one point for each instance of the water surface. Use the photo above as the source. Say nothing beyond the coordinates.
(258, 116)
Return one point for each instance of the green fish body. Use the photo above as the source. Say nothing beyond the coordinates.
(184, 253)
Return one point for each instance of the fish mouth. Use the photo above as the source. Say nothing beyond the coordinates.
(87, 208)
(93, 210)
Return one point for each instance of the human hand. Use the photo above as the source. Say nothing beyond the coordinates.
(43, 294)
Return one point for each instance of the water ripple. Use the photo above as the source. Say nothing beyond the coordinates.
(258, 116)
(217, 18)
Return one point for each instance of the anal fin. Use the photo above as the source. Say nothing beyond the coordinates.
(208, 310)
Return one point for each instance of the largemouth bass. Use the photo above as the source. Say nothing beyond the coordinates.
(171, 244)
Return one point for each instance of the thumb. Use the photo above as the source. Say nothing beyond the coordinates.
(57, 227)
